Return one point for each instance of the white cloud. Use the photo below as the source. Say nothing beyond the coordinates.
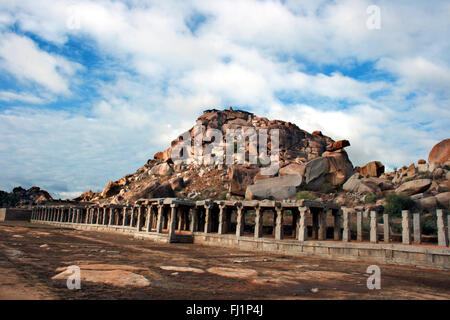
(21, 57)
(23, 97)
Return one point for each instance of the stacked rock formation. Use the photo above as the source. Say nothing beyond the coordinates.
(314, 158)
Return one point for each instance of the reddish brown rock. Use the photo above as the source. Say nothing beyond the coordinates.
(338, 145)
(440, 153)
(240, 177)
(372, 169)
(340, 167)
(421, 161)
(443, 199)
(111, 189)
(85, 196)
(412, 187)
(154, 190)
(293, 168)
(159, 156)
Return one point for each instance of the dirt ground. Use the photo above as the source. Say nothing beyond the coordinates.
(31, 253)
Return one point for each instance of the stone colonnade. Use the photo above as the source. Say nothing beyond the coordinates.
(310, 219)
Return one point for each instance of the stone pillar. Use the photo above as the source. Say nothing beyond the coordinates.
(240, 220)
(337, 225)
(302, 231)
(448, 228)
(322, 225)
(148, 225)
(258, 222)
(159, 221)
(346, 235)
(279, 235)
(138, 218)
(373, 227)
(110, 216)
(116, 217)
(124, 219)
(386, 228)
(194, 219)
(208, 219)
(133, 210)
(442, 235)
(406, 227)
(359, 226)
(416, 228)
(78, 216)
(172, 222)
(222, 213)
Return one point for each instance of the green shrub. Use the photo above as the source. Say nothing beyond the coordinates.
(429, 224)
(396, 203)
(327, 187)
(8, 199)
(371, 198)
(305, 195)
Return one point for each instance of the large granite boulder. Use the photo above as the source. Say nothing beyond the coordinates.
(440, 154)
(240, 177)
(338, 145)
(316, 168)
(112, 188)
(293, 168)
(283, 187)
(412, 187)
(428, 203)
(443, 199)
(372, 169)
(358, 184)
(162, 169)
(154, 190)
(339, 167)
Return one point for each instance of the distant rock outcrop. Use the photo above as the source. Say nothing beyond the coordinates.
(372, 169)
(21, 197)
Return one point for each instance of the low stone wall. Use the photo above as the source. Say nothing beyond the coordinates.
(8, 214)
(397, 254)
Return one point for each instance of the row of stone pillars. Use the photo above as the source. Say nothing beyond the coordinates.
(411, 230)
(170, 215)
(142, 218)
(203, 218)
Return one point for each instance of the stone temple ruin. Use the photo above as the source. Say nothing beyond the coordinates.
(320, 229)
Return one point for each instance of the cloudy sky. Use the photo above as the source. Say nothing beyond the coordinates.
(89, 90)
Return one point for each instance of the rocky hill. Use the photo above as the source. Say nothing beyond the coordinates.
(311, 165)
(21, 197)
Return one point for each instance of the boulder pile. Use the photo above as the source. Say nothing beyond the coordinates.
(308, 162)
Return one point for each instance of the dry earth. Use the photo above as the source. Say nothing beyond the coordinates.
(34, 259)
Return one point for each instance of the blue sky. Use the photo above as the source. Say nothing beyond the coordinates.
(89, 90)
